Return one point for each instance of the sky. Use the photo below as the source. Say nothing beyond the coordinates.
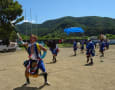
(39, 11)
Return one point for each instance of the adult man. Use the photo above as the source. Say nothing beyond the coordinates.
(35, 61)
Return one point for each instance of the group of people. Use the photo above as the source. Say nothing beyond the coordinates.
(76, 44)
(90, 48)
(37, 52)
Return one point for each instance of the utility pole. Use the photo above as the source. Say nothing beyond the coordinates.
(31, 20)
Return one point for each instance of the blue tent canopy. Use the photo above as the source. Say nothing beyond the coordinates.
(73, 29)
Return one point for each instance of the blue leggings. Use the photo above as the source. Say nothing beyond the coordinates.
(41, 66)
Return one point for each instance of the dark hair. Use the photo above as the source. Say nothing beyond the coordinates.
(51, 44)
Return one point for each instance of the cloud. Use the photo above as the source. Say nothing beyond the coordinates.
(28, 19)
(31, 21)
(25, 20)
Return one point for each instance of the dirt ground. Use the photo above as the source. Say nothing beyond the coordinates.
(69, 73)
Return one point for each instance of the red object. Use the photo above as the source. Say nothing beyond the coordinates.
(60, 41)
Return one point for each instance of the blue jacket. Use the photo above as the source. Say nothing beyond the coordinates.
(102, 45)
(90, 46)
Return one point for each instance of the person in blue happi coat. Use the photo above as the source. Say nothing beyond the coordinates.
(90, 51)
(107, 44)
(102, 47)
(74, 47)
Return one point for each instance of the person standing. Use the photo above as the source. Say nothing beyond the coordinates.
(90, 52)
(107, 44)
(74, 47)
(35, 61)
(82, 46)
(102, 47)
(53, 48)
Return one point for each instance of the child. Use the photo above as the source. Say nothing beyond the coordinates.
(107, 44)
(90, 52)
(102, 47)
(74, 47)
(82, 46)
(53, 48)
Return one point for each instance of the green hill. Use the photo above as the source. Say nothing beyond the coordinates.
(93, 25)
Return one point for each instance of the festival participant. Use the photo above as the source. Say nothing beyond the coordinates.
(90, 52)
(35, 61)
(95, 44)
(53, 48)
(107, 44)
(74, 47)
(82, 46)
(102, 45)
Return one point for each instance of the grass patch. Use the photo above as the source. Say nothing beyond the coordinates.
(65, 45)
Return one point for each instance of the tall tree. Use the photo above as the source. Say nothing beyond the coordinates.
(10, 11)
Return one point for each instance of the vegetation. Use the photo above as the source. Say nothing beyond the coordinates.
(110, 36)
(92, 25)
(10, 11)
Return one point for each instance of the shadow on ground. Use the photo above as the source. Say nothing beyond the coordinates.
(88, 64)
(72, 55)
(51, 62)
(29, 88)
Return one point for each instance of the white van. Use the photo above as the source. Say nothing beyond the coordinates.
(11, 47)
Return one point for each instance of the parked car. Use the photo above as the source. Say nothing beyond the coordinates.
(6, 48)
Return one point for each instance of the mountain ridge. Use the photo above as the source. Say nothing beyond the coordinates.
(93, 25)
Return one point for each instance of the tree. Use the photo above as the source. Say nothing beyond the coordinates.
(10, 11)
(13, 36)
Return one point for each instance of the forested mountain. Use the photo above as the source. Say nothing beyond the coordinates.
(92, 25)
